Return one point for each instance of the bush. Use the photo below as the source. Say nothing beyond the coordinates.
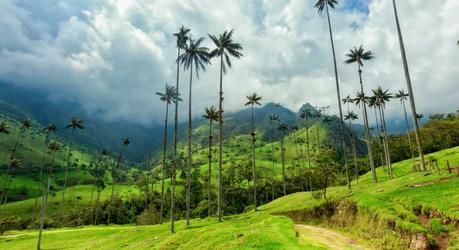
(149, 216)
(10, 223)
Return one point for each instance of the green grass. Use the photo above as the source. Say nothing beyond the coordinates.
(391, 200)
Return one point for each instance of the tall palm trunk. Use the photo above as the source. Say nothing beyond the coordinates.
(386, 142)
(40, 183)
(96, 207)
(309, 152)
(9, 177)
(317, 136)
(163, 165)
(174, 165)
(190, 156)
(254, 175)
(367, 132)
(44, 202)
(61, 204)
(220, 143)
(115, 167)
(209, 174)
(378, 133)
(410, 89)
(354, 151)
(283, 165)
(407, 129)
(338, 93)
(272, 160)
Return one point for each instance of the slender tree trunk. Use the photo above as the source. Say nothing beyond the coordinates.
(379, 137)
(163, 165)
(354, 151)
(209, 174)
(220, 143)
(9, 177)
(66, 175)
(272, 160)
(283, 166)
(407, 129)
(40, 184)
(410, 89)
(386, 138)
(317, 135)
(44, 202)
(97, 207)
(92, 195)
(174, 165)
(367, 132)
(338, 94)
(309, 153)
(190, 153)
(115, 167)
(254, 175)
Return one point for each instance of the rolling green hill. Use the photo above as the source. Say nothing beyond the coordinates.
(391, 215)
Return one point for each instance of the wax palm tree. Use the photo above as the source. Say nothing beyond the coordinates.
(170, 95)
(378, 100)
(75, 123)
(358, 56)
(197, 56)
(322, 5)
(53, 147)
(283, 129)
(273, 118)
(211, 114)
(51, 128)
(94, 170)
(125, 143)
(4, 128)
(410, 88)
(25, 125)
(225, 48)
(403, 97)
(306, 115)
(181, 39)
(351, 117)
(253, 100)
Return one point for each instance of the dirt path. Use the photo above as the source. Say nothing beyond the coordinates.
(331, 239)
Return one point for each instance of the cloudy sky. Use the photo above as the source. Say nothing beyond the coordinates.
(112, 56)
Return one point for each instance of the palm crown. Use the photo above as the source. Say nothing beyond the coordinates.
(54, 146)
(126, 141)
(170, 95)
(75, 123)
(211, 114)
(181, 37)
(4, 129)
(253, 99)
(348, 99)
(351, 116)
(380, 97)
(225, 47)
(402, 95)
(358, 55)
(26, 123)
(282, 127)
(322, 4)
(195, 54)
(274, 117)
(51, 128)
(361, 98)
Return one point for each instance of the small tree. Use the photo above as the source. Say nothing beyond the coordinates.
(326, 169)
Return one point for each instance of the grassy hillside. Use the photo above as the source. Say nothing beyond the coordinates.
(385, 215)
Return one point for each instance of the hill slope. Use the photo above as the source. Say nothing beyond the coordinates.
(391, 214)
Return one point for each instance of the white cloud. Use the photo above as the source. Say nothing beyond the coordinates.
(111, 56)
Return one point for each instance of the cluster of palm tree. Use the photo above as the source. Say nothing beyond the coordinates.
(359, 56)
(195, 57)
